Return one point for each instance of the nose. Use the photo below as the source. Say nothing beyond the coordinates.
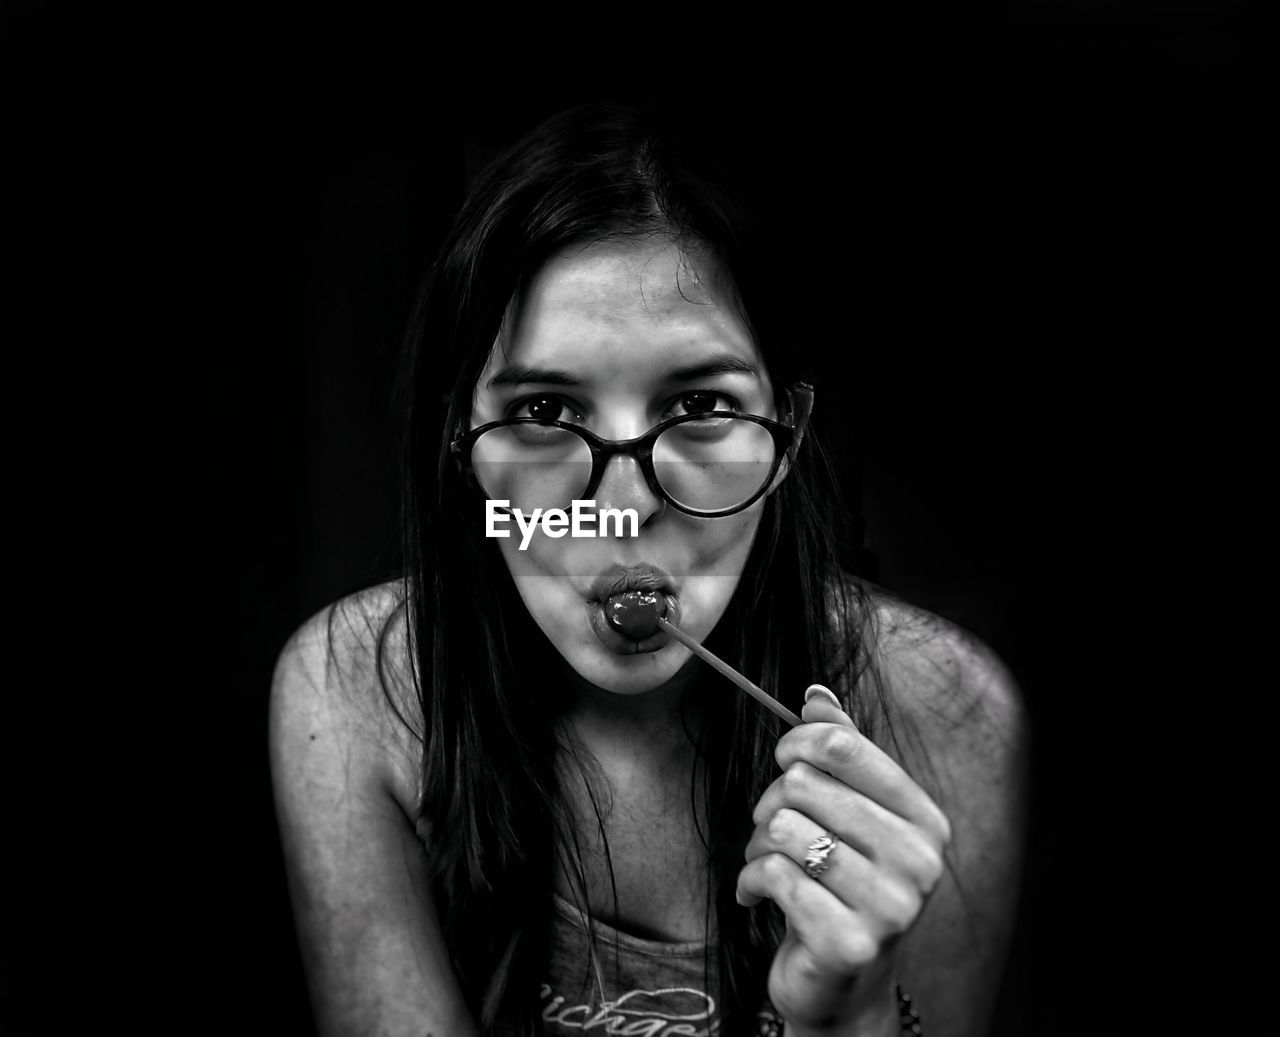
(623, 485)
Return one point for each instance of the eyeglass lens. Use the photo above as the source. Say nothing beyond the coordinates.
(711, 465)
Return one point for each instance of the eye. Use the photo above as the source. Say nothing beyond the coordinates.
(544, 408)
(700, 401)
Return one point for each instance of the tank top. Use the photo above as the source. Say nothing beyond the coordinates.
(627, 985)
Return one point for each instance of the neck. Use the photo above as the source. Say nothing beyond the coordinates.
(655, 719)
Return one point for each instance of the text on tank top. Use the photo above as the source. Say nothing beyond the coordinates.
(626, 985)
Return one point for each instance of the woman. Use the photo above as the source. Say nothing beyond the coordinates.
(502, 811)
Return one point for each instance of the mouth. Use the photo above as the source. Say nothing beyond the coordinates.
(624, 578)
(622, 602)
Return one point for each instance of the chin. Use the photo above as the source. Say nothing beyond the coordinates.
(633, 674)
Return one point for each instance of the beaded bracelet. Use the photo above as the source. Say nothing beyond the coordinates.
(908, 1014)
(908, 1018)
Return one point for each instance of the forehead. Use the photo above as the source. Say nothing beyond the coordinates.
(623, 307)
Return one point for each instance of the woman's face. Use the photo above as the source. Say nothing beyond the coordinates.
(611, 336)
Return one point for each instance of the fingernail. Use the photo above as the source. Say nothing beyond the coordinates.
(818, 689)
(738, 897)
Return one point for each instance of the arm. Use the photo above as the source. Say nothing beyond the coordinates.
(371, 943)
(964, 735)
(922, 881)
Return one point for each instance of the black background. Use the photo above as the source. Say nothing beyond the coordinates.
(1030, 222)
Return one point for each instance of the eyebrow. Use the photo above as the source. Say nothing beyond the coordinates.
(724, 363)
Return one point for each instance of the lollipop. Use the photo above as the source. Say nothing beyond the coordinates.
(641, 614)
(636, 613)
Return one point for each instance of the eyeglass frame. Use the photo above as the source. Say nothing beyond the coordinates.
(786, 441)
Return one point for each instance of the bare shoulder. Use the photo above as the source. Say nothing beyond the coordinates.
(952, 714)
(344, 744)
(343, 680)
(953, 717)
(947, 684)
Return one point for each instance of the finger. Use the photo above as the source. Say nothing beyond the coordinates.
(837, 937)
(888, 900)
(822, 705)
(886, 838)
(856, 818)
(841, 750)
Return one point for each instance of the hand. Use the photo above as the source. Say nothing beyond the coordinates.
(835, 969)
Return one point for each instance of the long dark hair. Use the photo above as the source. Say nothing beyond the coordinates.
(492, 815)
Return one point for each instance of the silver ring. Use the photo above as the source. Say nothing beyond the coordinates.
(815, 862)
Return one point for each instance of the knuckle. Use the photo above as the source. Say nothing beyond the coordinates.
(760, 812)
(773, 866)
(921, 860)
(780, 826)
(838, 745)
(796, 777)
(789, 746)
(929, 867)
(854, 948)
(943, 826)
(899, 905)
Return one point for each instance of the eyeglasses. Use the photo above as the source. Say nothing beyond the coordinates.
(710, 465)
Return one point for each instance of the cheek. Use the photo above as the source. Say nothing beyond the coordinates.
(545, 561)
(544, 575)
(720, 547)
(716, 563)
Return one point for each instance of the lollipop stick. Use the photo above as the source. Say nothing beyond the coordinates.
(766, 700)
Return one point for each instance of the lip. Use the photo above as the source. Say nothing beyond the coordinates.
(623, 578)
